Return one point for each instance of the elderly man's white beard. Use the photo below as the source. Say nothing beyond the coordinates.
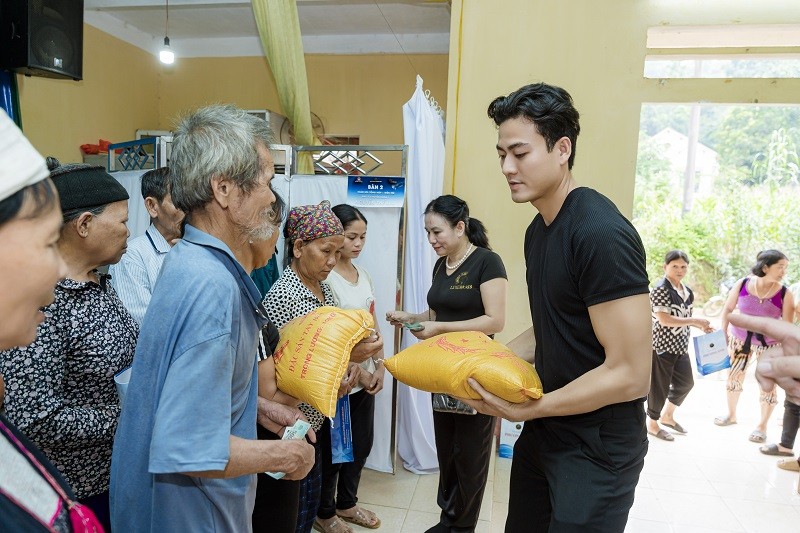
(264, 231)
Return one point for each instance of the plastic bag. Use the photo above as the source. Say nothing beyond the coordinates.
(312, 356)
(444, 362)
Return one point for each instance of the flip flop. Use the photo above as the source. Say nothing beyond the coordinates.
(757, 436)
(661, 434)
(772, 449)
(789, 464)
(676, 427)
(334, 526)
(724, 421)
(363, 517)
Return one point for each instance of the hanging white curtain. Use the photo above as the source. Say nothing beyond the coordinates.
(138, 217)
(424, 134)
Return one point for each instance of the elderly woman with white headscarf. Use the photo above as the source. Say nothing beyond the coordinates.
(33, 494)
(61, 387)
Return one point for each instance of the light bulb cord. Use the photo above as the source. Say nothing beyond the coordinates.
(166, 26)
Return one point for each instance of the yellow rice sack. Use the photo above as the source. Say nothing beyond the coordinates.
(444, 362)
(312, 355)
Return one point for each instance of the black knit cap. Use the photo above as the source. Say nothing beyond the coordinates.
(85, 186)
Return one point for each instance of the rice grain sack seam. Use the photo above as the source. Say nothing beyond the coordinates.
(314, 351)
(442, 364)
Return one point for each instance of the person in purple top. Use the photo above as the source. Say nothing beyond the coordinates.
(761, 294)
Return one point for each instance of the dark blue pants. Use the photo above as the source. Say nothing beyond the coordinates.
(310, 489)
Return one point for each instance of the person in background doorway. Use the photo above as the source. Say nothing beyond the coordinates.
(671, 378)
(761, 294)
(779, 365)
(136, 273)
(791, 424)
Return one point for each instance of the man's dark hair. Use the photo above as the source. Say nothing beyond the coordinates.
(549, 108)
(155, 183)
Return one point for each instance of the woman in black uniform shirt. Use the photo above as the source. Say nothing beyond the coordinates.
(468, 293)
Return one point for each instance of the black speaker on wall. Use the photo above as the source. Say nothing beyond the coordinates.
(42, 37)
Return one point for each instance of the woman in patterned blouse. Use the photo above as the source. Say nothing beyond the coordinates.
(671, 376)
(60, 389)
(314, 237)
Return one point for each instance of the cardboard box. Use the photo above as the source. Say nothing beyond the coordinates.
(99, 160)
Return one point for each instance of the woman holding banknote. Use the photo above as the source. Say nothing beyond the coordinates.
(468, 293)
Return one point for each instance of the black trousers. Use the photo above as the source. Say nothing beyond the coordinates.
(276, 500)
(671, 379)
(791, 423)
(340, 481)
(577, 474)
(464, 448)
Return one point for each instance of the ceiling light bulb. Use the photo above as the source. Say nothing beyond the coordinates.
(166, 55)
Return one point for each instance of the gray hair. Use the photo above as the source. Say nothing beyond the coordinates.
(218, 140)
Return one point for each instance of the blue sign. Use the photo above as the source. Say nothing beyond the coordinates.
(376, 191)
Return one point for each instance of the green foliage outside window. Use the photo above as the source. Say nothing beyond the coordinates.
(753, 204)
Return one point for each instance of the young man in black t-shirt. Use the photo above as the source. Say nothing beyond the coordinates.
(578, 459)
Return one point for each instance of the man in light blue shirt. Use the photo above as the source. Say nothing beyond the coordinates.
(185, 451)
(135, 275)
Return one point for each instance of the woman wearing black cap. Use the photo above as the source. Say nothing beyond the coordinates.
(60, 390)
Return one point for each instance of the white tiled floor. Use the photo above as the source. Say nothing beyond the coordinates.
(712, 480)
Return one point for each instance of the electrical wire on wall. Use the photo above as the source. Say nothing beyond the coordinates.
(397, 39)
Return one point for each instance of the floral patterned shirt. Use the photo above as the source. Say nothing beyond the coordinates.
(60, 390)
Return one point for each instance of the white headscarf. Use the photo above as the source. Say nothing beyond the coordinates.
(20, 163)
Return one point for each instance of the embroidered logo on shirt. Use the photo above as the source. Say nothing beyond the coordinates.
(459, 282)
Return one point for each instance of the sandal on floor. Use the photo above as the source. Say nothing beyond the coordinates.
(724, 421)
(757, 436)
(363, 517)
(334, 526)
(675, 427)
(789, 464)
(662, 434)
(772, 449)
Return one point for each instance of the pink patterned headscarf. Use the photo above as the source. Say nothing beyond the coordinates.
(311, 222)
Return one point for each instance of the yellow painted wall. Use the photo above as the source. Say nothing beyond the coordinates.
(354, 95)
(596, 51)
(117, 96)
(125, 89)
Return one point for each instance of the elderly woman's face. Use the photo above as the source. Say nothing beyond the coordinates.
(316, 259)
(30, 265)
(109, 233)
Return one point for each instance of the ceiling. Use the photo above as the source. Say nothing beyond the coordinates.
(224, 28)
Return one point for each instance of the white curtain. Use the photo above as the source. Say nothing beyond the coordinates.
(379, 258)
(138, 217)
(424, 134)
